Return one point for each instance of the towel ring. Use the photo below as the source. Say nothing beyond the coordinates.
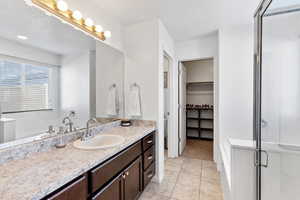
(134, 85)
(113, 86)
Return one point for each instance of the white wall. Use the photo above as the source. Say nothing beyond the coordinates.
(141, 65)
(167, 48)
(235, 84)
(145, 44)
(200, 70)
(203, 47)
(109, 71)
(200, 48)
(16, 49)
(75, 86)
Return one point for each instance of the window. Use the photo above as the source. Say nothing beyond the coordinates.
(24, 87)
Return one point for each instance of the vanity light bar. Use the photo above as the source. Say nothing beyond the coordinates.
(60, 10)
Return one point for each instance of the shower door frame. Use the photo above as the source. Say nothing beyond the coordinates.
(258, 17)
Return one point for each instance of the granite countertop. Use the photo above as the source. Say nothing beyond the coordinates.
(41, 173)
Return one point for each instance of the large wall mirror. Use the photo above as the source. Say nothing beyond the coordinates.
(51, 73)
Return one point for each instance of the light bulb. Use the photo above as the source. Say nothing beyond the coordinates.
(107, 34)
(22, 37)
(98, 28)
(89, 22)
(77, 15)
(62, 6)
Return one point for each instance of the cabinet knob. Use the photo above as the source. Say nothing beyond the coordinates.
(150, 157)
(150, 175)
(123, 176)
(127, 173)
(150, 142)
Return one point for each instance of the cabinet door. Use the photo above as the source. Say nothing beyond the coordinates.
(113, 191)
(133, 180)
(75, 191)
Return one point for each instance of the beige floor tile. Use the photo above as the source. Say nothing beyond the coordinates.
(192, 166)
(171, 176)
(210, 173)
(193, 176)
(208, 187)
(174, 164)
(185, 192)
(164, 189)
(209, 196)
(147, 196)
(189, 179)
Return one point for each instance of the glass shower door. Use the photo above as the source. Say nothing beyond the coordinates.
(277, 100)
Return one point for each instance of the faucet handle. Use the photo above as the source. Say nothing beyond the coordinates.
(61, 130)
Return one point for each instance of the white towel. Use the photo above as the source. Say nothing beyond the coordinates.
(134, 104)
(112, 102)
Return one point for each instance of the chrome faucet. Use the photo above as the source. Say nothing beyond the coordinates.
(88, 135)
(68, 122)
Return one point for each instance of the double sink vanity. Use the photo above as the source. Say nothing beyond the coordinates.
(116, 164)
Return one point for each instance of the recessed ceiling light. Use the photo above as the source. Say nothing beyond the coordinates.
(22, 37)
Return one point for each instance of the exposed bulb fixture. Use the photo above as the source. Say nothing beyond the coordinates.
(62, 5)
(89, 22)
(98, 28)
(22, 37)
(60, 9)
(77, 15)
(107, 34)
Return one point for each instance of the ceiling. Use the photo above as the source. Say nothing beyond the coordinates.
(184, 19)
(43, 32)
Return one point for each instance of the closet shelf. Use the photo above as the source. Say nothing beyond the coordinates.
(199, 118)
(201, 82)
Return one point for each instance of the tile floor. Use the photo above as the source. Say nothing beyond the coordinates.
(193, 176)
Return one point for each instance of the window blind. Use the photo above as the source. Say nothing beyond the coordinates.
(24, 87)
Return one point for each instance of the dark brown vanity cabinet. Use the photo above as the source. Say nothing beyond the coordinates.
(121, 177)
(148, 158)
(113, 191)
(127, 185)
(77, 189)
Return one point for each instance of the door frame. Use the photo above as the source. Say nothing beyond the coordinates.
(216, 102)
(179, 108)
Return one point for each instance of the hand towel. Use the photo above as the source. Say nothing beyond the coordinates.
(112, 102)
(134, 104)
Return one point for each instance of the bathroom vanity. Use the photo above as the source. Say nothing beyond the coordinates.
(118, 173)
(123, 176)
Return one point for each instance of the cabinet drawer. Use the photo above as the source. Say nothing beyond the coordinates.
(105, 172)
(148, 175)
(149, 157)
(148, 141)
(75, 191)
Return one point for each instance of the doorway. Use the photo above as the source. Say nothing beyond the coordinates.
(196, 108)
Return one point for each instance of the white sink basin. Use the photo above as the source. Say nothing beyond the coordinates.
(100, 142)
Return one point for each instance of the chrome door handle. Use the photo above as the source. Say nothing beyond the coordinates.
(266, 165)
(267, 159)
